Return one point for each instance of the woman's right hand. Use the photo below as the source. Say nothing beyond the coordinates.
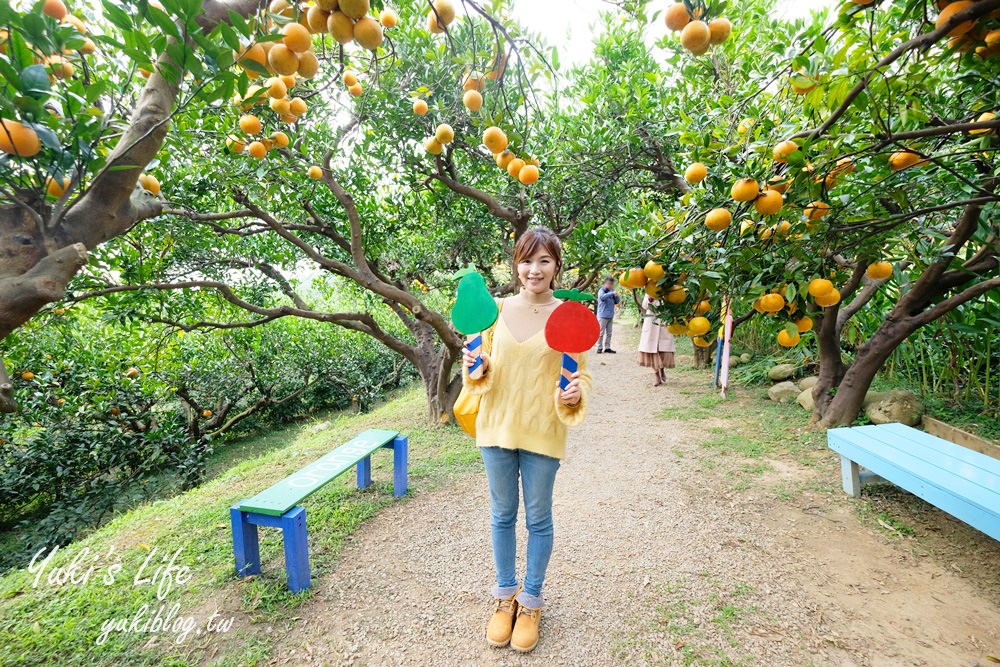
(468, 359)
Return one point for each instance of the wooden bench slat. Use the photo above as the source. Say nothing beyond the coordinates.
(941, 454)
(292, 490)
(922, 438)
(851, 444)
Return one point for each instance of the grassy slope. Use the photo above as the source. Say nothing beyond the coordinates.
(58, 624)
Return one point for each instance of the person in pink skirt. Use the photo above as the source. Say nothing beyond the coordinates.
(656, 345)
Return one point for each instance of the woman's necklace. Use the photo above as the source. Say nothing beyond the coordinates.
(536, 307)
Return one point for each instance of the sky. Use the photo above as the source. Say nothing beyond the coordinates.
(568, 24)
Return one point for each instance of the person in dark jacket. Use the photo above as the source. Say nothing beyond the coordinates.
(607, 299)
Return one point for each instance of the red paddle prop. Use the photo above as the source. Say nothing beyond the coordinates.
(572, 329)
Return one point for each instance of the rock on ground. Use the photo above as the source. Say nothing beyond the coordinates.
(895, 406)
(805, 399)
(808, 382)
(783, 392)
(781, 372)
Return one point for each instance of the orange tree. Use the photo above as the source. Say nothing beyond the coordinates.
(291, 145)
(840, 162)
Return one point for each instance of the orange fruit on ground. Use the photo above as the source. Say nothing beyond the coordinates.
(433, 146)
(296, 37)
(503, 159)
(54, 8)
(718, 219)
(149, 182)
(983, 118)
(785, 340)
(445, 11)
(282, 59)
(389, 18)
(235, 145)
(804, 324)
(257, 150)
(819, 286)
(528, 174)
(676, 294)
(444, 133)
(308, 65)
(368, 33)
(56, 189)
(950, 11)
(903, 159)
(250, 124)
(17, 139)
(515, 166)
(677, 16)
(879, 270)
(315, 172)
(745, 189)
(769, 202)
(297, 106)
(473, 100)
(276, 88)
(494, 139)
(357, 90)
(419, 107)
(27, 375)
(702, 307)
(783, 150)
(341, 27)
(720, 29)
(654, 271)
(831, 298)
(695, 37)
(816, 210)
(698, 326)
(696, 173)
(280, 139)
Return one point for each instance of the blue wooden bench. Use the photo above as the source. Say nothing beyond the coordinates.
(278, 506)
(958, 480)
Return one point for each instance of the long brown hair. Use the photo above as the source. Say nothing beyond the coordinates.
(531, 241)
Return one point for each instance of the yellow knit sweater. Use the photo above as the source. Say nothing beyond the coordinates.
(519, 396)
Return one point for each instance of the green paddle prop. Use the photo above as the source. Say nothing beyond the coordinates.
(475, 311)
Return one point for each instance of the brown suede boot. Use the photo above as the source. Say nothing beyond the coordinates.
(525, 636)
(501, 624)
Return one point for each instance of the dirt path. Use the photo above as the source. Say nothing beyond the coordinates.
(658, 560)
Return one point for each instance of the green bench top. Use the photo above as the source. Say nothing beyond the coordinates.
(292, 490)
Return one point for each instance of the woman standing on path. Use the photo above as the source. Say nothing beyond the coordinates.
(521, 432)
(656, 346)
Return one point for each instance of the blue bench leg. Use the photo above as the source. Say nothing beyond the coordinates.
(851, 477)
(400, 460)
(246, 548)
(365, 472)
(293, 530)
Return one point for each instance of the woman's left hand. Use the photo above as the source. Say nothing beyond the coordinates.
(572, 395)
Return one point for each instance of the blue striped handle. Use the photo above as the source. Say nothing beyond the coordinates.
(569, 367)
(474, 346)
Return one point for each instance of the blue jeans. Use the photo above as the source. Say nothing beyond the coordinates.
(538, 474)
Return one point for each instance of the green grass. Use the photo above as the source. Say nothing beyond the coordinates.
(58, 624)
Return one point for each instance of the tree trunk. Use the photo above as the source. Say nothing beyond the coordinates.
(703, 356)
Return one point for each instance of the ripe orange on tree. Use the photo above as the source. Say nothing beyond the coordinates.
(950, 11)
(494, 139)
(528, 174)
(720, 29)
(473, 100)
(433, 146)
(819, 286)
(804, 324)
(419, 107)
(315, 172)
(906, 158)
(257, 150)
(149, 182)
(515, 166)
(718, 219)
(783, 150)
(17, 139)
(389, 18)
(250, 124)
(696, 37)
(677, 16)
(654, 271)
(879, 270)
(786, 340)
(695, 173)
(56, 189)
(698, 326)
(816, 210)
(633, 278)
(829, 299)
(769, 202)
(54, 8)
(676, 294)
(745, 189)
